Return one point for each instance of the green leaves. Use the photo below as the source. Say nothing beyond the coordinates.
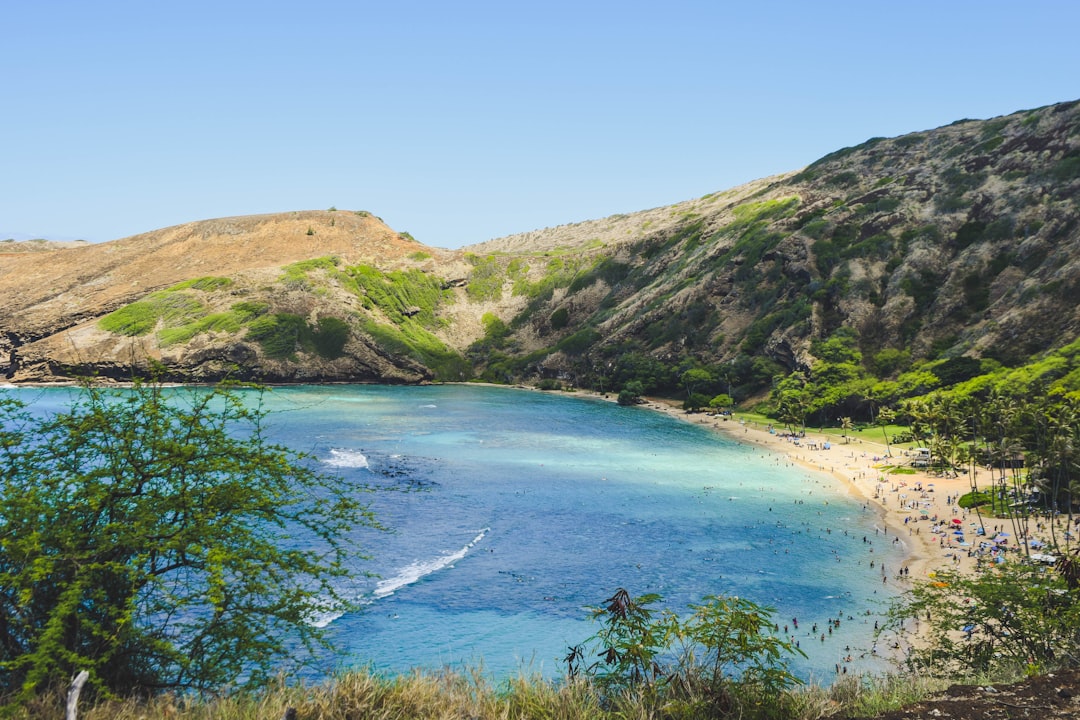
(630, 641)
(723, 653)
(149, 536)
(1015, 617)
(735, 639)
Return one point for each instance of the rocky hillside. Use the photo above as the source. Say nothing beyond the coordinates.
(962, 241)
(55, 303)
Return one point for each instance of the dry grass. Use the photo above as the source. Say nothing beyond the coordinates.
(472, 696)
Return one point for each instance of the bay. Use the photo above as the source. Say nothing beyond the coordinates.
(511, 512)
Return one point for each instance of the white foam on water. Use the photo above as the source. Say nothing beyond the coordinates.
(407, 575)
(344, 458)
(420, 569)
(323, 617)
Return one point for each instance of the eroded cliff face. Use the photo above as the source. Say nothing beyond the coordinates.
(959, 241)
(962, 240)
(52, 301)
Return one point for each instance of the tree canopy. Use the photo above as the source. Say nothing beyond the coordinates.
(157, 539)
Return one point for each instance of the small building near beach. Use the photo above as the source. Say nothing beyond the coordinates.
(922, 457)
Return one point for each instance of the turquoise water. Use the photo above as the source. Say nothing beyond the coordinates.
(510, 512)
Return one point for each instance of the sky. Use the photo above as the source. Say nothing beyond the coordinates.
(463, 121)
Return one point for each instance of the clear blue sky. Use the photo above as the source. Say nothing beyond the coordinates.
(462, 121)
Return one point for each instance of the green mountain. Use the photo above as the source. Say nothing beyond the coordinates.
(960, 242)
(958, 247)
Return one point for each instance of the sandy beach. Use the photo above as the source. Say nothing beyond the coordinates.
(908, 506)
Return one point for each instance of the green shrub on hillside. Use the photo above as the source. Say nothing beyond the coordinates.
(400, 294)
(180, 313)
(412, 340)
(579, 342)
(297, 274)
(559, 272)
(227, 322)
(206, 284)
(753, 238)
(231, 321)
(330, 336)
(280, 334)
(140, 318)
(486, 279)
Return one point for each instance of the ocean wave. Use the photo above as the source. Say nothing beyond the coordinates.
(422, 568)
(343, 458)
(324, 616)
(407, 575)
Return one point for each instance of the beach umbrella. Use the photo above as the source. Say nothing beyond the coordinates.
(957, 521)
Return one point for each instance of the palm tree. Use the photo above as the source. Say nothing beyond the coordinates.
(846, 425)
(1055, 454)
(885, 417)
(918, 411)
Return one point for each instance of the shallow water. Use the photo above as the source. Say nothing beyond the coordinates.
(511, 512)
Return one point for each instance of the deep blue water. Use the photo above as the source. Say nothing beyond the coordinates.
(510, 512)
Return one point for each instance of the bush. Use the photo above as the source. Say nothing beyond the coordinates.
(720, 658)
(721, 402)
(696, 401)
(631, 393)
(412, 340)
(146, 536)
(400, 295)
(206, 284)
(974, 499)
(330, 337)
(1019, 616)
(486, 279)
(579, 342)
(280, 335)
(170, 307)
(559, 318)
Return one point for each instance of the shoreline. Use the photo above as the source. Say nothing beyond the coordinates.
(859, 468)
(854, 465)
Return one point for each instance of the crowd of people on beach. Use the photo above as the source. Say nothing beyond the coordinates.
(919, 513)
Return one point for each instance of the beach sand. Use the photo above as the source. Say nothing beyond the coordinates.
(861, 466)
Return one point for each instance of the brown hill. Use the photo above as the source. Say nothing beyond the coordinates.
(44, 294)
(959, 243)
(51, 299)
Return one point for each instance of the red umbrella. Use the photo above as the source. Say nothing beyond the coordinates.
(957, 521)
